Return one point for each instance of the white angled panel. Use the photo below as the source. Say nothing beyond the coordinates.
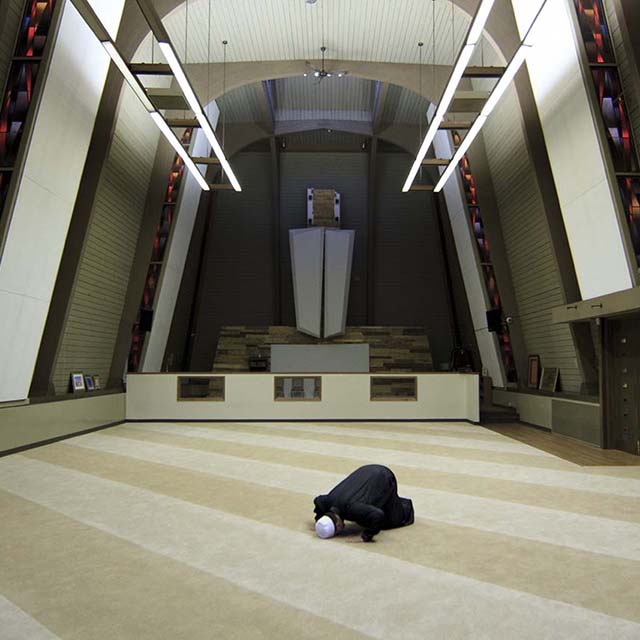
(48, 187)
(338, 256)
(471, 276)
(307, 250)
(173, 269)
(587, 197)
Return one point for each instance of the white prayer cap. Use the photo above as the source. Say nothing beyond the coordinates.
(325, 527)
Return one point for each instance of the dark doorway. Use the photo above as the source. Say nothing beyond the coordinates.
(622, 383)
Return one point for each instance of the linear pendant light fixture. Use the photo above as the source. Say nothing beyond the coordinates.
(99, 30)
(164, 42)
(498, 91)
(473, 36)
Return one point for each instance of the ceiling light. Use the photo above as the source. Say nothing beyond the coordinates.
(180, 76)
(462, 149)
(443, 107)
(482, 14)
(505, 80)
(132, 81)
(217, 149)
(498, 91)
(305, 74)
(340, 75)
(180, 150)
(316, 74)
(473, 35)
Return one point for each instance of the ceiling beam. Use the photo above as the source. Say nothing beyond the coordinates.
(150, 69)
(451, 124)
(206, 160)
(379, 101)
(435, 162)
(182, 123)
(269, 101)
(358, 127)
(483, 72)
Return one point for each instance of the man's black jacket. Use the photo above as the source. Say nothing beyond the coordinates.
(368, 496)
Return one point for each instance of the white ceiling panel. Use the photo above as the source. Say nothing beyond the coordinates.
(332, 99)
(363, 30)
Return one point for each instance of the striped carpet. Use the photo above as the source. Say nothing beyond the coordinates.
(178, 530)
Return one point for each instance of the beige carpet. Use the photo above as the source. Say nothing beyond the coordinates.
(206, 531)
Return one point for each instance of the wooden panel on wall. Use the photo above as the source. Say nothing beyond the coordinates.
(534, 270)
(397, 349)
(100, 288)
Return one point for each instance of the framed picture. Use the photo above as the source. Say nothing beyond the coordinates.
(88, 383)
(97, 385)
(549, 379)
(77, 382)
(534, 372)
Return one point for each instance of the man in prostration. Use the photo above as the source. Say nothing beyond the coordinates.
(369, 497)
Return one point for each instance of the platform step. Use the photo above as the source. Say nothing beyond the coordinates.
(495, 414)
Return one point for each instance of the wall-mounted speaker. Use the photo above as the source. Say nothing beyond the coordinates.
(146, 319)
(494, 320)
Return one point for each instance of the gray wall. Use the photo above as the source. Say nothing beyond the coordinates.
(347, 173)
(236, 285)
(534, 270)
(102, 277)
(236, 279)
(410, 287)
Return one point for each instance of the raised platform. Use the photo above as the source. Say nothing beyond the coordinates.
(256, 396)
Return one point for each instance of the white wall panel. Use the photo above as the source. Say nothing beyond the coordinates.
(307, 257)
(586, 197)
(186, 211)
(49, 185)
(470, 268)
(338, 252)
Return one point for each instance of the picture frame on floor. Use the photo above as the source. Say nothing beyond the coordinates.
(534, 372)
(88, 383)
(549, 379)
(77, 382)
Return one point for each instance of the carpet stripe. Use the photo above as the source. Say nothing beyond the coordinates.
(15, 624)
(268, 560)
(574, 480)
(573, 500)
(546, 570)
(85, 583)
(588, 533)
(386, 432)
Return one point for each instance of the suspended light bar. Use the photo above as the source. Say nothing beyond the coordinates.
(473, 36)
(180, 150)
(498, 91)
(99, 30)
(132, 81)
(180, 76)
(164, 42)
(205, 125)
